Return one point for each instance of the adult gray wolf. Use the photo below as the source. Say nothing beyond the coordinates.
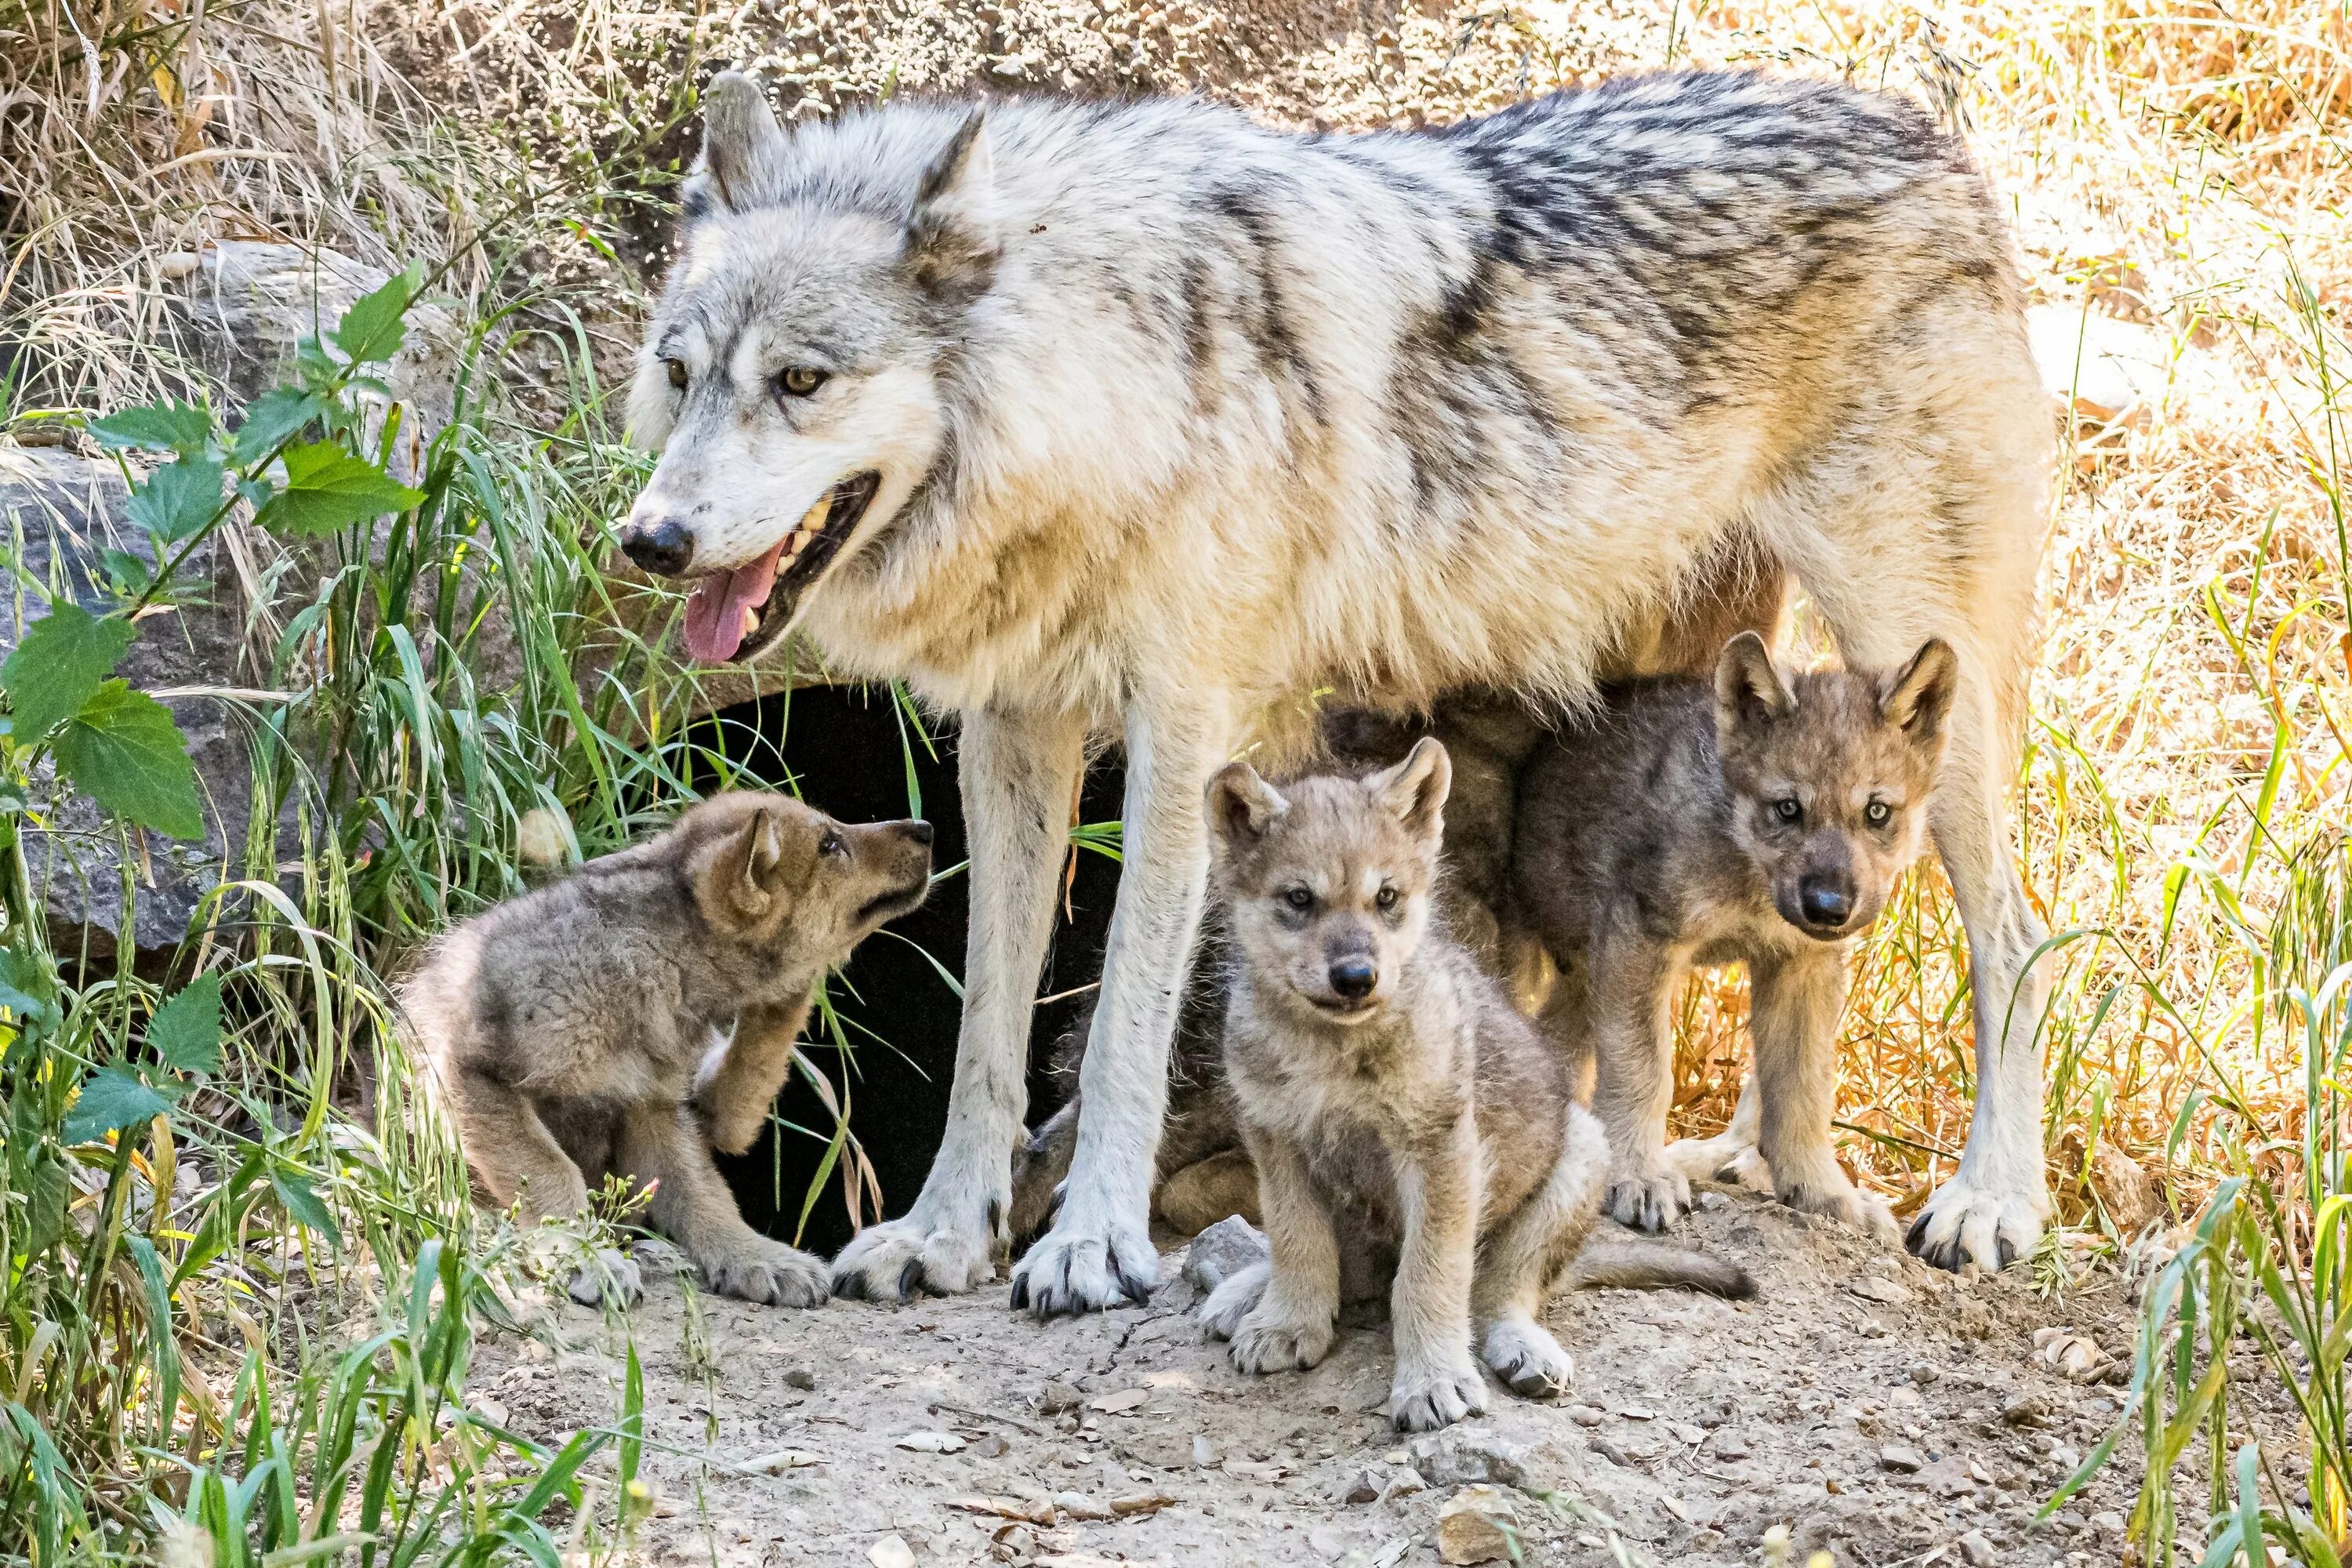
(1753, 819)
(1389, 1090)
(1147, 422)
(578, 1031)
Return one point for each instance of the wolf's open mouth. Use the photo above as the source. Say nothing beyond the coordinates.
(735, 613)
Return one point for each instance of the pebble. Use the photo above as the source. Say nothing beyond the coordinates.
(932, 1443)
(777, 1463)
(1977, 1549)
(1711, 1200)
(891, 1552)
(801, 1377)
(2032, 1410)
(1058, 1396)
(1078, 1505)
(1587, 1414)
(1458, 1457)
(1871, 1288)
(993, 1446)
(1135, 1503)
(1924, 1373)
(1119, 1404)
(1477, 1524)
(1638, 1413)
(1901, 1458)
(1204, 1453)
(2109, 1520)
(1732, 1445)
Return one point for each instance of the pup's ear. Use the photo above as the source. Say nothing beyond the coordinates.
(741, 144)
(1747, 687)
(1414, 791)
(745, 875)
(951, 247)
(1917, 698)
(1242, 806)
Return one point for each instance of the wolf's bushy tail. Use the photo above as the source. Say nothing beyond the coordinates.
(1654, 1265)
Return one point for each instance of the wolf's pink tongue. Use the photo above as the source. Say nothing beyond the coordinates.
(714, 611)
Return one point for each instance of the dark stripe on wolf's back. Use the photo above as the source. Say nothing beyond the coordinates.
(1269, 328)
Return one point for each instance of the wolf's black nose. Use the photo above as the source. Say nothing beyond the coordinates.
(920, 832)
(1825, 902)
(1354, 978)
(664, 548)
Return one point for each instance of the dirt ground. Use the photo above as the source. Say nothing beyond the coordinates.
(1867, 1403)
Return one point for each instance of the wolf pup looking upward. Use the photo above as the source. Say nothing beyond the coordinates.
(1143, 421)
(570, 1033)
(1392, 1098)
(1751, 819)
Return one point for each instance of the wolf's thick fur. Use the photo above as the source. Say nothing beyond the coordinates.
(579, 1031)
(1751, 819)
(1390, 1092)
(1142, 420)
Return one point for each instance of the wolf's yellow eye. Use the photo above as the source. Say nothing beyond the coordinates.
(800, 380)
(677, 372)
(1877, 813)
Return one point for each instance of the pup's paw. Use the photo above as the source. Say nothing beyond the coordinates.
(1722, 1158)
(1524, 1355)
(1269, 1341)
(1980, 1222)
(1839, 1199)
(1232, 1300)
(900, 1258)
(769, 1273)
(610, 1279)
(1651, 1199)
(1079, 1266)
(1422, 1399)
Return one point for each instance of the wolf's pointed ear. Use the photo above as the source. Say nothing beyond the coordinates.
(1917, 698)
(951, 245)
(1748, 687)
(1242, 806)
(1414, 790)
(742, 142)
(744, 874)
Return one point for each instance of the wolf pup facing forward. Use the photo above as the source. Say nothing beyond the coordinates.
(576, 1032)
(1140, 421)
(1393, 1100)
(1755, 820)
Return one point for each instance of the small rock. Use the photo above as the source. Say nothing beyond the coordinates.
(1684, 1433)
(1362, 1487)
(1901, 1458)
(2029, 1410)
(1729, 1445)
(2109, 1520)
(1924, 1373)
(1058, 1396)
(1461, 1456)
(1135, 1503)
(1403, 1482)
(1977, 1551)
(1119, 1404)
(801, 1377)
(1587, 1414)
(1871, 1288)
(891, 1552)
(1628, 1452)
(993, 1446)
(1204, 1453)
(1224, 1250)
(1949, 1477)
(1078, 1505)
(1638, 1413)
(1327, 1542)
(932, 1443)
(2077, 1356)
(1477, 1524)
(1711, 1200)
(777, 1463)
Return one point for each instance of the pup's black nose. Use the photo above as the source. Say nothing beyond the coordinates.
(662, 548)
(1354, 977)
(1825, 902)
(920, 832)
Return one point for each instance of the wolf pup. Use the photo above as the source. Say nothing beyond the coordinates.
(1761, 820)
(1389, 1091)
(577, 1032)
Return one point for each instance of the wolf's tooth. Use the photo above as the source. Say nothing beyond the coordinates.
(751, 620)
(814, 519)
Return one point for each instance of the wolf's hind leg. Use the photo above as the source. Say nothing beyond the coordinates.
(664, 1146)
(1522, 1257)
(1731, 1155)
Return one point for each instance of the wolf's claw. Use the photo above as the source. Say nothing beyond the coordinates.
(1068, 1272)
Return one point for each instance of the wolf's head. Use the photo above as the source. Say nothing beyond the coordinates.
(1327, 881)
(781, 878)
(1829, 776)
(791, 377)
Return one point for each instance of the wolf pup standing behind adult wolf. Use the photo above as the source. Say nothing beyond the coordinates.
(1387, 1090)
(1757, 820)
(577, 1032)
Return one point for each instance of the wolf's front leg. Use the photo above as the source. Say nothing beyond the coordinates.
(1793, 1013)
(1632, 988)
(665, 1146)
(1287, 1325)
(1019, 772)
(1437, 1383)
(1099, 1249)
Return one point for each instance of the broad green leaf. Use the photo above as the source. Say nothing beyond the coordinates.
(271, 418)
(58, 666)
(124, 751)
(168, 425)
(186, 1030)
(112, 1097)
(28, 986)
(178, 499)
(372, 330)
(302, 1200)
(126, 572)
(327, 488)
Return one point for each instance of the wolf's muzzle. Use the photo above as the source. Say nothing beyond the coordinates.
(662, 547)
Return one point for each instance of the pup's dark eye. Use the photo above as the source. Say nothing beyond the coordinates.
(1786, 809)
(1299, 898)
(800, 380)
(1877, 813)
(1386, 898)
(677, 372)
(831, 844)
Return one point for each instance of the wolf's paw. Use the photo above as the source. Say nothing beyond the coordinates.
(1651, 1200)
(610, 1279)
(901, 1258)
(1964, 1222)
(1720, 1159)
(1422, 1399)
(1273, 1342)
(1078, 1268)
(1232, 1300)
(1524, 1355)
(1834, 1197)
(769, 1273)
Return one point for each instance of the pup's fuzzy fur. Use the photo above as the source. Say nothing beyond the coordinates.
(1754, 819)
(581, 1031)
(1391, 1094)
(1143, 421)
